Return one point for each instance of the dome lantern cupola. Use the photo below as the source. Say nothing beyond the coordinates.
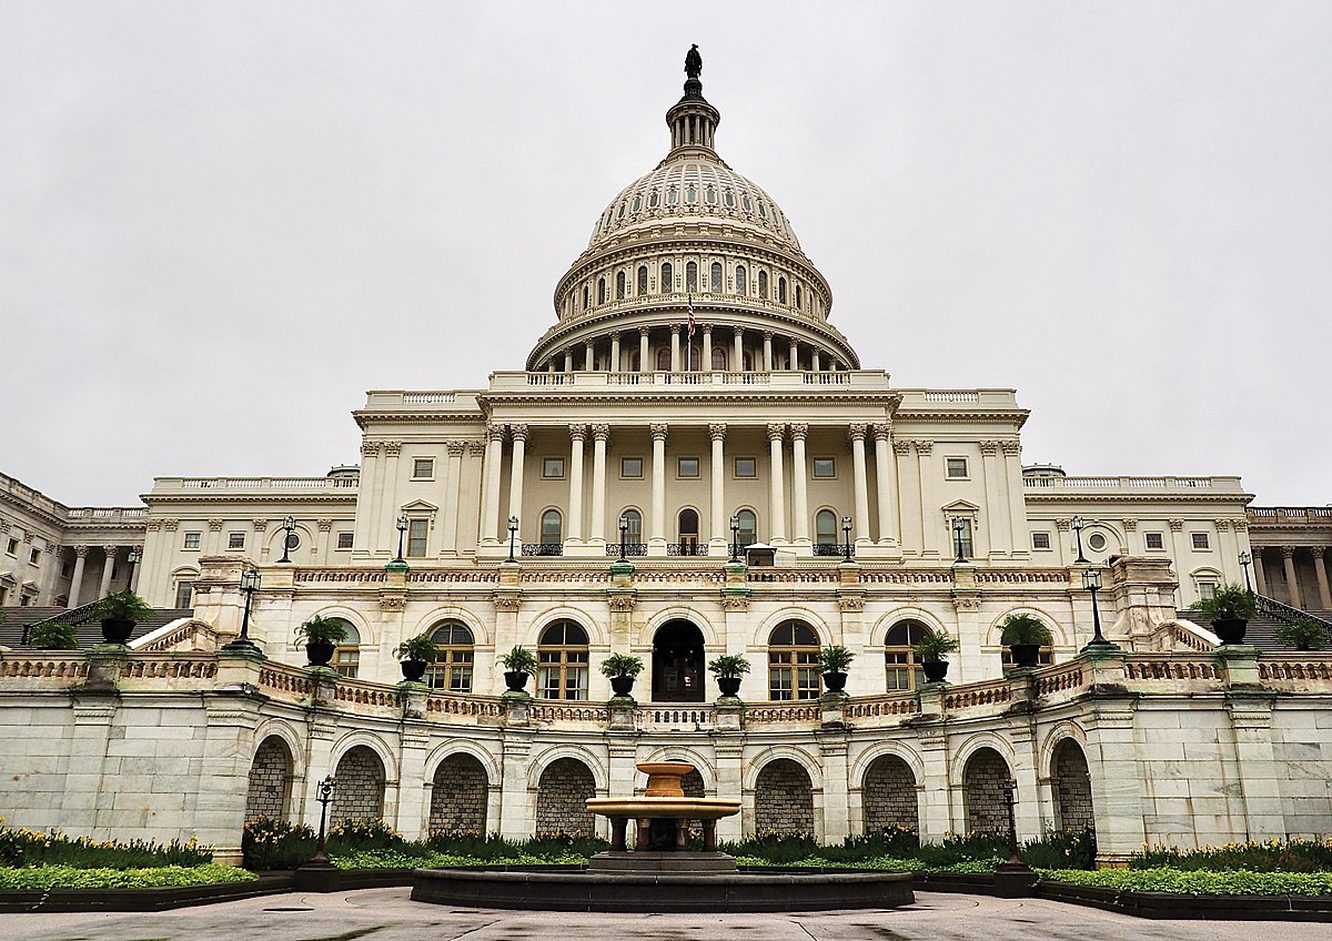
(692, 120)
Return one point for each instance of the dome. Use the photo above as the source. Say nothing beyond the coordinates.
(694, 187)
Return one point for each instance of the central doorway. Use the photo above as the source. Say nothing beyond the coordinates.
(677, 663)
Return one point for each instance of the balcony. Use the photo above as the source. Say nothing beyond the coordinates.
(241, 485)
(1182, 485)
(1290, 516)
(580, 381)
(533, 549)
(687, 549)
(628, 551)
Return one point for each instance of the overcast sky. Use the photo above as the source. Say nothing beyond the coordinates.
(221, 223)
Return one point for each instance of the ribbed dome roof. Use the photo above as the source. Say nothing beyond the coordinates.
(694, 188)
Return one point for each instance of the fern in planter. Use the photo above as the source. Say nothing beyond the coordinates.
(54, 635)
(619, 664)
(1229, 603)
(835, 658)
(122, 606)
(1024, 629)
(935, 647)
(422, 648)
(729, 667)
(321, 630)
(1302, 634)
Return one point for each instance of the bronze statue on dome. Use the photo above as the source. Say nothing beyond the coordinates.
(693, 62)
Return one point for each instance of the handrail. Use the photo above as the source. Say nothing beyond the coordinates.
(69, 616)
(1287, 613)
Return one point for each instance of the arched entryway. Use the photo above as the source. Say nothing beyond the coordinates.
(1072, 788)
(562, 795)
(677, 663)
(358, 792)
(983, 780)
(270, 781)
(458, 797)
(888, 796)
(783, 800)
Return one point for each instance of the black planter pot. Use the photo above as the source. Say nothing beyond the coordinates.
(117, 630)
(729, 685)
(1025, 655)
(413, 670)
(1229, 630)
(623, 685)
(515, 680)
(319, 652)
(935, 670)
(834, 681)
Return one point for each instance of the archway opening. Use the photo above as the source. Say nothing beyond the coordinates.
(562, 795)
(888, 796)
(359, 794)
(677, 663)
(983, 780)
(458, 797)
(270, 781)
(783, 800)
(1072, 788)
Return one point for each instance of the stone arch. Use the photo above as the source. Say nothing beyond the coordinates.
(458, 797)
(783, 800)
(888, 795)
(561, 802)
(1070, 781)
(358, 791)
(369, 636)
(983, 778)
(679, 662)
(907, 613)
(1048, 619)
(480, 635)
(544, 619)
(790, 613)
(679, 612)
(702, 766)
(268, 793)
(278, 728)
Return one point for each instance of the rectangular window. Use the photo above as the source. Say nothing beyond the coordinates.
(1040, 540)
(184, 594)
(687, 467)
(235, 540)
(1206, 590)
(961, 534)
(192, 540)
(423, 468)
(746, 468)
(1200, 541)
(344, 540)
(1155, 540)
(418, 534)
(552, 468)
(631, 468)
(12, 547)
(825, 468)
(35, 556)
(956, 468)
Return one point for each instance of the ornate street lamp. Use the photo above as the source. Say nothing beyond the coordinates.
(288, 527)
(323, 794)
(1077, 523)
(134, 558)
(1245, 560)
(513, 533)
(249, 583)
(847, 551)
(1091, 580)
(624, 534)
(402, 531)
(735, 538)
(959, 529)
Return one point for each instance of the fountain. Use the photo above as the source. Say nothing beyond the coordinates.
(660, 873)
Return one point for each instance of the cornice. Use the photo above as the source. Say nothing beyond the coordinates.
(1192, 496)
(348, 496)
(1018, 415)
(362, 415)
(890, 399)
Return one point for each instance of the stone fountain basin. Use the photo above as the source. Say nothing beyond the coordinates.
(682, 808)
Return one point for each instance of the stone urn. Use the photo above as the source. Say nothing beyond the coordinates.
(515, 680)
(728, 685)
(622, 685)
(1025, 655)
(1227, 630)
(935, 670)
(117, 630)
(319, 652)
(834, 681)
(413, 670)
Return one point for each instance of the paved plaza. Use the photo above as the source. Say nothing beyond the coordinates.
(389, 915)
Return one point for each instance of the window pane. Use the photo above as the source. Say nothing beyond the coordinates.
(957, 467)
(550, 527)
(423, 467)
(553, 467)
(184, 592)
(631, 467)
(688, 467)
(746, 467)
(417, 535)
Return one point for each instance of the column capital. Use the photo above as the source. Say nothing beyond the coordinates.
(577, 432)
(767, 335)
(324, 523)
(392, 448)
(707, 329)
(81, 551)
(601, 432)
(643, 331)
(215, 525)
(1063, 524)
(261, 526)
(799, 431)
(455, 448)
(370, 448)
(518, 432)
(170, 524)
(1011, 448)
(1287, 552)
(776, 431)
(856, 431)
(495, 432)
(1130, 525)
(675, 329)
(989, 448)
(1318, 551)
(883, 431)
(478, 448)
(924, 446)
(112, 552)
(902, 446)
(658, 431)
(717, 431)
(1223, 526)
(1176, 525)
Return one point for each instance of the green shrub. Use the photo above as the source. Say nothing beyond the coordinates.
(268, 844)
(1257, 856)
(122, 606)
(1302, 633)
(836, 658)
(621, 664)
(1229, 602)
(43, 878)
(320, 629)
(519, 660)
(54, 635)
(1023, 629)
(1199, 882)
(447, 850)
(1061, 850)
(23, 847)
(420, 647)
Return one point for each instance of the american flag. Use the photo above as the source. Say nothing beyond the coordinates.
(689, 336)
(691, 316)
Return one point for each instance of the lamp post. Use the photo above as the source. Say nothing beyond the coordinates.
(513, 533)
(1245, 560)
(288, 527)
(324, 794)
(134, 558)
(402, 531)
(624, 534)
(1077, 523)
(249, 584)
(959, 527)
(735, 539)
(1091, 580)
(847, 551)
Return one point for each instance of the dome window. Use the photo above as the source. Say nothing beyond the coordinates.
(691, 195)
(748, 206)
(672, 196)
(619, 285)
(620, 214)
(585, 298)
(653, 200)
(638, 203)
(763, 284)
(781, 290)
(717, 286)
(667, 278)
(800, 300)
(601, 290)
(763, 210)
(741, 280)
(711, 196)
(642, 279)
(691, 276)
(728, 199)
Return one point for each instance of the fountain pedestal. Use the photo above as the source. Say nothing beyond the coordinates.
(662, 815)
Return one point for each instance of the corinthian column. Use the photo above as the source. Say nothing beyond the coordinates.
(856, 432)
(777, 489)
(658, 537)
(717, 533)
(76, 583)
(490, 484)
(108, 566)
(516, 467)
(575, 529)
(885, 477)
(799, 484)
(706, 365)
(1292, 583)
(600, 435)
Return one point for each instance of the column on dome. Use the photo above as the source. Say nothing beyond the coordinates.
(776, 481)
(490, 484)
(767, 351)
(643, 365)
(517, 462)
(706, 365)
(615, 352)
(719, 530)
(1320, 572)
(568, 360)
(929, 526)
(675, 349)
(589, 356)
(995, 509)
(856, 433)
(574, 529)
(738, 338)
(76, 582)
(657, 541)
(600, 437)
(814, 359)
(1292, 581)
(799, 484)
(111, 554)
(794, 363)
(885, 477)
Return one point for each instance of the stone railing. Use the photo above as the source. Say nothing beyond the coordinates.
(168, 666)
(681, 718)
(64, 668)
(105, 514)
(889, 705)
(1060, 679)
(199, 635)
(1177, 635)
(978, 695)
(1182, 672)
(1295, 670)
(457, 706)
(578, 380)
(1279, 515)
(562, 713)
(339, 576)
(333, 484)
(804, 711)
(1041, 483)
(284, 682)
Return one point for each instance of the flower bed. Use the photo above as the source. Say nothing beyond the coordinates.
(1239, 882)
(24, 847)
(46, 877)
(1256, 855)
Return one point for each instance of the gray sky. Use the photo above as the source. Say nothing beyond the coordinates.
(221, 223)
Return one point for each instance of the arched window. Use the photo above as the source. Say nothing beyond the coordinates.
(899, 658)
(691, 276)
(800, 304)
(642, 280)
(719, 358)
(728, 199)
(562, 651)
(716, 286)
(749, 361)
(667, 278)
(1044, 657)
(633, 530)
(793, 662)
(619, 285)
(691, 194)
(672, 196)
(710, 195)
(747, 531)
(781, 290)
(825, 529)
(586, 297)
(551, 528)
(763, 284)
(347, 654)
(663, 360)
(601, 290)
(452, 669)
(687, 524)
(653, 199)
(741, 280)
(638, 203)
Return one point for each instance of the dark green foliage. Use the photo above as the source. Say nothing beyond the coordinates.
(1024, 629)
(269, 844)
(1229, 602)
(23, 847)
(836, 659)
(1303, 634)
(728, 666)
(420, 647)
(328, 630)
(1256, 856)
(519, 660)
(122, 606)
(54, 635)
(620, 664)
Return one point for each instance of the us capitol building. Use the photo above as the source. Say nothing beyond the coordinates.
(692, 461)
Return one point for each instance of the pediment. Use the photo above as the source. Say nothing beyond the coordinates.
(420, 506)
(961, 506)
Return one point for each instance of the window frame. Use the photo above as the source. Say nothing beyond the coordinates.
(569, 661)
(814, 468)
(680, 468)
(453, 669)
(735, 467)
(192, 537)
(741, 530)
(1049, 543)
(231, 540)
(948, 467)
(546, 464)
(416, 468)
(418, 532)
(1147, 542)
(351, 539)
(792, 666)
(623, 467)
(1206, 541)
(903, 667)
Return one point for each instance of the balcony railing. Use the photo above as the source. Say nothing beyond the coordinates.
(686, 549)
(1135, 484)
(258, 484)
(829, 550)
(628, 550)
(543, 548)
(1321, 515)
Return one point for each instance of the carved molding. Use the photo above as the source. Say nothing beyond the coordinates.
(1063, 524)
(370, 449)
(989, 448)
(455, 448)
(578, 432)
(1176, 526)
(849, 603)
(392, 448)
(776, 431)
(717, 431)
(324, 524)
(1130, 526)
(924, 446)
(476, 448)
(215, 525)
(658, 431)
(507, 602)
(170, 525)
(1011, 448)
(735, 603)
(856, 431)
(799, 431)
(392, 602)
(261, 526)
(901, 447)
(495, 432)
(622, 603)
(518, 432)
(883, 431)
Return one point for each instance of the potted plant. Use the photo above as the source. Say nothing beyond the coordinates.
(53, 635)
(119, 612)
(1303, 634)
(931, 652)
(519, 663)
(321, 636)
(728, 668)
(621, 669)
(1229, 610)
(835, 660)
(414, 655)
(1024, 635)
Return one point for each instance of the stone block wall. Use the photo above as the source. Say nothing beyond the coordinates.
(270, 781)
(984, 778)
(783, 800)
(888, 796)
(1072, 788)
(562, 793)
(458, 797)
(358, 791)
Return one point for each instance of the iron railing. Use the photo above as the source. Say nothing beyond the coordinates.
(627, 550)
(543, 548)
(69, 616)
(689, 549)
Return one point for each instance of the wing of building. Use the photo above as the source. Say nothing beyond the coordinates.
(692, 461)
